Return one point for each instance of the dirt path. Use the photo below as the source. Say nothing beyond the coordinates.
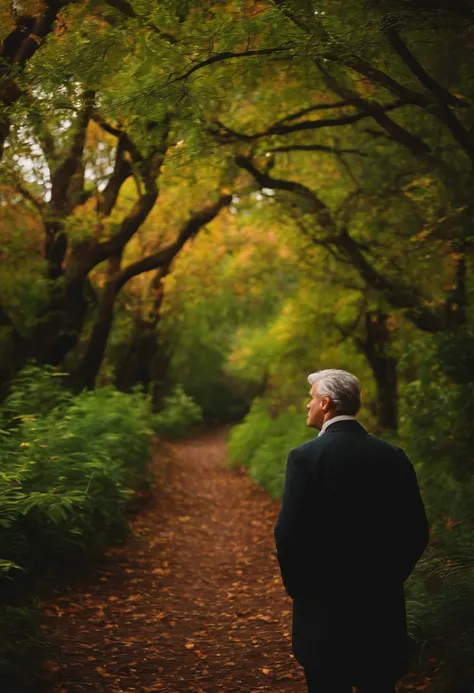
(193, 602)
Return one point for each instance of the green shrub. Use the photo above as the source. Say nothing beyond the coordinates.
(262, 443)
(35, 391)
(440, 614)
(178, 416)
(69, 468)
(22, 646)
(436, 429)
(73, 470)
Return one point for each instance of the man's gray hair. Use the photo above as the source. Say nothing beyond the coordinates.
(342, 387)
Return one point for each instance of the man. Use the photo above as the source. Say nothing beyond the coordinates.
(352, 526)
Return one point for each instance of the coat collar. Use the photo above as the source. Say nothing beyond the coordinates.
(348, 425)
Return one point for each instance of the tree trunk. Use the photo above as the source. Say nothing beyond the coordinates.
(13, 352)
(375, 347)
(88, 369)
(144, 362)
(17, 47)
(59, 329)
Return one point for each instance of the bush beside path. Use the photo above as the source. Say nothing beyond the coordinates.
(192, 602)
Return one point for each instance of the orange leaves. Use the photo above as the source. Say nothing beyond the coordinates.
(206, 610)
(104, 673)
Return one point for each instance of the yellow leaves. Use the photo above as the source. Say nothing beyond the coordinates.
(266, 671)
(190, 645)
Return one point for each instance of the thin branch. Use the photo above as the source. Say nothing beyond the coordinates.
(443, 97)
(229, 55)
(218, 57)
(266, 181)
(313, 109)
(228, 135)
(315, 148)
(376, 111)
(419, 71)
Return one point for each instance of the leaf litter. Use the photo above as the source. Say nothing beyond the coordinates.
(193, 602)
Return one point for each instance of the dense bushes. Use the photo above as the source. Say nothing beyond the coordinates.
(262, 443)
(178, 416)
(436, 429)
(69, 467)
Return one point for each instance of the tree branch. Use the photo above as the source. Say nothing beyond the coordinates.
(339, 239)
(315, 148)
(165, 256)
(122, 170)
(128, 144)
(89, 367)
(67, 191)
(376, 111)
(314, 109)
(313, 204)
(227, 135)
(16, 49)
(419, 71)
(70, 172)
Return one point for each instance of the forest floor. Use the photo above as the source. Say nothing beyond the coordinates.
(193, 602)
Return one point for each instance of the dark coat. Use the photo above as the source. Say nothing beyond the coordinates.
(352, 526)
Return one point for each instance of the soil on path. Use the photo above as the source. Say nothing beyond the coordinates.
(193, 601)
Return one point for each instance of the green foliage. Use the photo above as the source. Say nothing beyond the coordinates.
(440, 614)
(70, 467)
(178, 416)
(437, 410)
(262, 442)
(436, 429)
(35, 391)
(281, 290)
(22, 646)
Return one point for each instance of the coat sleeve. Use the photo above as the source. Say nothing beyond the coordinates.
(292, 527)
(412, 527)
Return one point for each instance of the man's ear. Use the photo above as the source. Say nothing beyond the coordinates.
(325, 401)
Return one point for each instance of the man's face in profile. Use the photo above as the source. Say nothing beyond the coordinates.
(317, 408)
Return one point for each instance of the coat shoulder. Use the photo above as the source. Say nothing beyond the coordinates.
(385, 446)
(307, 448)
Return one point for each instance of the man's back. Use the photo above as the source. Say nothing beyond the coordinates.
(351, 527)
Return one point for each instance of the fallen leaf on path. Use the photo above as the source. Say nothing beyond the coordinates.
(104, 673)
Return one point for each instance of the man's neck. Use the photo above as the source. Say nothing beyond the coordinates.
(334, 418)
